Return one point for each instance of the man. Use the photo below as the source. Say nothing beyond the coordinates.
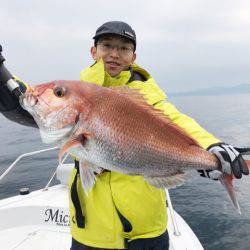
(124, 211)
(122, 207)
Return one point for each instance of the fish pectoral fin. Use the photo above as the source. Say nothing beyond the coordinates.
(87, 175)
(68, 145)
(227, 181)
(167, 182)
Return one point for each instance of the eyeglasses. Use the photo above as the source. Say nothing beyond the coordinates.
(123, 50)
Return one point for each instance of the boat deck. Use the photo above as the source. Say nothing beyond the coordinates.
(34, 237)
(40, 220)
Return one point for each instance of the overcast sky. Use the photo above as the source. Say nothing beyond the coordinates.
(186, 45)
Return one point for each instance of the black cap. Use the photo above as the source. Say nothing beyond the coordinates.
(117, 28)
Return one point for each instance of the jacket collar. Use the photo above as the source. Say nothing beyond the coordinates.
(97, 74)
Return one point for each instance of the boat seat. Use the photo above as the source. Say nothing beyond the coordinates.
(63, 173)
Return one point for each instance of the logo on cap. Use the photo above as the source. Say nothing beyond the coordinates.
(129, 34)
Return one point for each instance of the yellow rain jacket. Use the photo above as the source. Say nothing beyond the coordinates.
(142, 205)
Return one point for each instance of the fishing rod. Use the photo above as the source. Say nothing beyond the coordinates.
(10, 91)
(7, 78)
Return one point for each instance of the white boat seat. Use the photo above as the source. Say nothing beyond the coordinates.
(63, 173)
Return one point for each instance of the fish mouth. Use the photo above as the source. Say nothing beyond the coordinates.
(28, 101)
(51, 120)
(41, 111)
(50, 132)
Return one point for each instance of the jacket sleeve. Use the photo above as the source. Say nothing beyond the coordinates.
(204, 138)
(11, 108)
(155, 96)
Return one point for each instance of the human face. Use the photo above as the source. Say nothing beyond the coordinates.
(111, 49)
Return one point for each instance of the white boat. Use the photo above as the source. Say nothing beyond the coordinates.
(40, 219)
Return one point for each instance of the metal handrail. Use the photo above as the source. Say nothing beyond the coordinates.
(53, 175)
(171, 211)
(22, 156)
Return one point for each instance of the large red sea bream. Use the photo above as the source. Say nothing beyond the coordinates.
(115, 129)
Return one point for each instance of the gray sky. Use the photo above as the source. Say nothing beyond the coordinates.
(186, 45)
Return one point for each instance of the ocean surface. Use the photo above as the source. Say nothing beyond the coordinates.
(201, 202)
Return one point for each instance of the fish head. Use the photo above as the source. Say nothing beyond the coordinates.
(55, 106)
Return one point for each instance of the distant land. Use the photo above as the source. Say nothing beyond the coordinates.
(219, 90)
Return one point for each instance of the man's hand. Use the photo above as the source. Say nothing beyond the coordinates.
(230, 159)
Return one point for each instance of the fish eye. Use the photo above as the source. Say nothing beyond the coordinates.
(59, 91)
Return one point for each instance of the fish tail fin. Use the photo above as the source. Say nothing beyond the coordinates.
(227, 181)
(87, 175)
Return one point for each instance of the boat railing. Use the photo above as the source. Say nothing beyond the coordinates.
(14, 164)
(169, 202)
(172, 214)
(53, 175)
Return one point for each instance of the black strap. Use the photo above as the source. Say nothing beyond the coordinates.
(127, 227)
(80, 219)
(136, 76)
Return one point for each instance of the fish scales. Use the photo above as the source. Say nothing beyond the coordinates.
(129, 136)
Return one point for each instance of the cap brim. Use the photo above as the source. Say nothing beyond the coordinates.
(117, 34)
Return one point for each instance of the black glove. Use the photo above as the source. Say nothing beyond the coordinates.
(230, 159)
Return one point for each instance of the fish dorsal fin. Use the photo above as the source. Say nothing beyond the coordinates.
(167, 182)
(138, 98)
